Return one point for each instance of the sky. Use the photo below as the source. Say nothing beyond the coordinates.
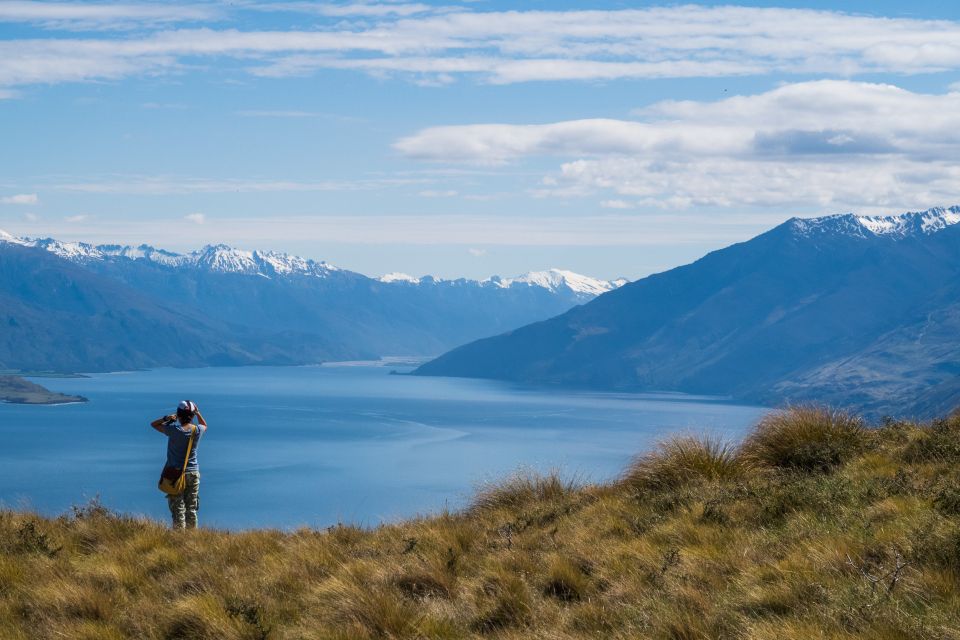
(472, 138)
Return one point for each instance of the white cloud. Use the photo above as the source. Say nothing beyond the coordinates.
(826, 143)
(196, 218)
(164, 185)
(77, 218)
(616, 204)
(28, 199)
(89, 15)
(260, 113)
(349, 9)
(477, 253)
(437, 46)
(431, 193)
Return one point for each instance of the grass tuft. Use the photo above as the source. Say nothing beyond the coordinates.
(522, 489)
(566, 580)
(683, 460)
(809, 439)
(511, 604)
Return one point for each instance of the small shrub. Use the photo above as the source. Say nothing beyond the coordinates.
(31, 539)
(94, 509)
(809, 439)
(681, 460)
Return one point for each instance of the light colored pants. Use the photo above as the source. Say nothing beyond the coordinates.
(184, 507)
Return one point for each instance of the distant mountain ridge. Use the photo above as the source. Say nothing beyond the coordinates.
(859, 311)
(898, 226)
(68, 306)
(553, 280)
(222, 258)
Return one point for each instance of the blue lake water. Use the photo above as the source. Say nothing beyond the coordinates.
(292, 446)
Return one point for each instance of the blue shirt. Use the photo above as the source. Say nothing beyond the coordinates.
(178, 435)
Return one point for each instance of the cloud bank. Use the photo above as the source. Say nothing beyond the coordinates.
(438, 45)
(826, 143)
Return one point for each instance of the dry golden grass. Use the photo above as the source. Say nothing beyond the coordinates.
(815, 528)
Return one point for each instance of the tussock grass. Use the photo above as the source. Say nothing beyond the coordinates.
(814, 527)
(524, 488)
(683, 460)
(805, 439)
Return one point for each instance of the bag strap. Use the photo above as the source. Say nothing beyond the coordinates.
(189, 446)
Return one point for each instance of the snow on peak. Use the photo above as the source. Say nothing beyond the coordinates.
(70, 250)
(558, 279)
(396, 276)
(218, 258)
(6, 237)
(225, 259)
(221, 258)
(904, 225)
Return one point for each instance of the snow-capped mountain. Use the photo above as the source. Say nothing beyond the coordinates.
(216, 258)
(905, 225)
(860, 312)
(112, 307)
(559, 279)
(552, 280)
(221, 258)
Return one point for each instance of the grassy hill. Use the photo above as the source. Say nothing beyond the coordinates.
(813, 527)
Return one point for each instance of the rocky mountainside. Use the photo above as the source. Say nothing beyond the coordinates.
(860, 311)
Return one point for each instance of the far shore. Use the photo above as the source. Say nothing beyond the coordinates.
(16, 390)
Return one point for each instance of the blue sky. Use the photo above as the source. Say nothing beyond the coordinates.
(467, 139)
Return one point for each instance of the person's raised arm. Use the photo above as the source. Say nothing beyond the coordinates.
(200, 419)
(161, 422)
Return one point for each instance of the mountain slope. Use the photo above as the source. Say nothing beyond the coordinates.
(55, 315)
(788, 315)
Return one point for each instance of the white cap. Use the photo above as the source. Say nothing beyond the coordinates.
(187, 405)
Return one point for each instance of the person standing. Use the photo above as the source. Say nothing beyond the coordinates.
(183, 436)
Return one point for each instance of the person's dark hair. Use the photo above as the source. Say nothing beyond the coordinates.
(186, 410)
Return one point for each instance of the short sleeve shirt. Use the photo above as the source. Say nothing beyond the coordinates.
(178, 435)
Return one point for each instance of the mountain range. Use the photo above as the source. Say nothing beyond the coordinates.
(80, 307)
(857, 311)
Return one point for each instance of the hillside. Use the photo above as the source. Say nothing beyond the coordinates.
(858, 311)
(813, 528)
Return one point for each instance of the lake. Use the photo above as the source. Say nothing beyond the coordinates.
(292, 446)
